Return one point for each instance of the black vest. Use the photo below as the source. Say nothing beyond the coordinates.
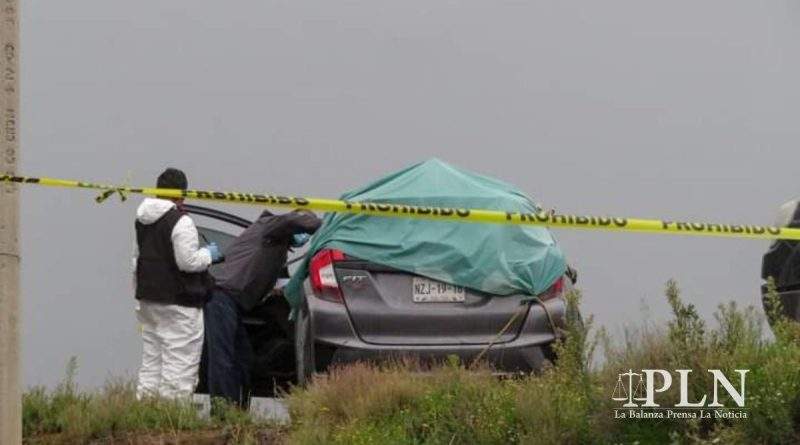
(158, 278)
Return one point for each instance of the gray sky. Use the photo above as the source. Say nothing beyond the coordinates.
(671, 109)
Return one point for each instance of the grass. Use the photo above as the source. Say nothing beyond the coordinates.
(410, 403)
(405, 403)
(113, 415)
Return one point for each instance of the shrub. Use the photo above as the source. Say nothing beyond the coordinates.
(569, 402)
(407, 402)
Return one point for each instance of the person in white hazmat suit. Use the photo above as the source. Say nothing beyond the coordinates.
(172, 284)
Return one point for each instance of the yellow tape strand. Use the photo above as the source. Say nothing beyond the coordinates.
(394, 210)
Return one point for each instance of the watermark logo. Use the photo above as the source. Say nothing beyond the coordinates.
(638, 393)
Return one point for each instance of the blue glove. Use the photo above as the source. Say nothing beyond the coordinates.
(298, 239)
(213, 249)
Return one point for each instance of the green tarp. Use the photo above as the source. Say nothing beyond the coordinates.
(495, 258)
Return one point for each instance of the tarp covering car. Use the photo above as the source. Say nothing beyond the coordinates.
(494, 258)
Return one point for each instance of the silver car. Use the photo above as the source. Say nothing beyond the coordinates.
(357, 310)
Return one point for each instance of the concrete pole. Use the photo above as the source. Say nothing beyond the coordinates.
(10, 396)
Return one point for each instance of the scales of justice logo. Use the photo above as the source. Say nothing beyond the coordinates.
(630, 393)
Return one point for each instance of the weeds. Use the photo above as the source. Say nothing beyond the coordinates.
(68, 416)
(406, 402)
(570, 402)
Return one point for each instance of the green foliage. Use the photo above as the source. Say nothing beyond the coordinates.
(410, 404)
(557, 405)
(406, 402)
(568, 403)
(686, 331)
(67, 415)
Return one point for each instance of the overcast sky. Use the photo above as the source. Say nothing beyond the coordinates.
(670, 109)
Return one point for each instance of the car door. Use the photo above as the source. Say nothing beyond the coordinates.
(225, 226)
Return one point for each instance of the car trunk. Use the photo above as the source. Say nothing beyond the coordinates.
(382, 307)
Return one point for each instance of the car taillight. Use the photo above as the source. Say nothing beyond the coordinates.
(323, 277)
(556, 290)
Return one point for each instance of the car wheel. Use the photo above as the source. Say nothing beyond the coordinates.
(549, 353)
(304, 346)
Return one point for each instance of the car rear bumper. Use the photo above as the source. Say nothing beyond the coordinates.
(501, 357)
(331, 325)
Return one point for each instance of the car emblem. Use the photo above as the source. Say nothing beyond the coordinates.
(354, 280)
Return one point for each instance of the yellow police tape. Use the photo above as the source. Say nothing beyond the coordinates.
(549, 219)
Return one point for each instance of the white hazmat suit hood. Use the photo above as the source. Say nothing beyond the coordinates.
(152, 209)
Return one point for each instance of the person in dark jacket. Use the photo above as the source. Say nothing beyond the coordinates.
(171, 288)
(252, 265)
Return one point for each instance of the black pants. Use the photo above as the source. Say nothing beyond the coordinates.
(227, 350)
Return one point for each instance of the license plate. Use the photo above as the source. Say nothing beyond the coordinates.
(432, 291)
